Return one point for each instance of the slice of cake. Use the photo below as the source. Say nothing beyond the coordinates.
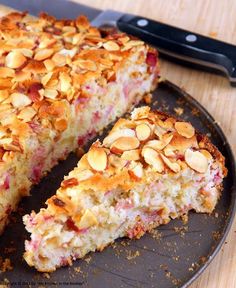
(150, 169)
(61, 82)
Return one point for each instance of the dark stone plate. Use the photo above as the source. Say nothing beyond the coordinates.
(173, 256)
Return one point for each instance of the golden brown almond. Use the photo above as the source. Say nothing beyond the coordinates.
(172, 165)
(137, 172)
(206, 153)
(60, 124)
(43, 54)
(49, 93)
(27, 114)
(20, 100)
(159, 144)
(65, 82)
(113, 136)
(97, 158)
(152, 158)
(196, 160)
(15, 59)
(6, 72)
(140, 113)
(49, 64)
(185, 129)
(46, 78)
(131, 155)
(111, 46)
(143, 132)
(87, 220)
(124, 144)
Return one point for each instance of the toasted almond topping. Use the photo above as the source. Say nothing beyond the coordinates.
(15, 59)
(143, 132)
(111, 46)
(137, 171)
(185, 129)
(26, 114)
(113, 136)
(159, 131)
(97, 158)
(206, 153)
(124, 144)
(26, 52)
(43, 54)
(84, 175)
(131, 155)
(169, 152)
(3, 95)
(49, 64)
(87, 220)
(60, 124)
(159, 144)
(196, 160)
(6, 72)
(172, 165)
(140, 113)
(50, 93)
(46, 78)
(20, 100)
(59, 59)
(65, 82)
(152, 158)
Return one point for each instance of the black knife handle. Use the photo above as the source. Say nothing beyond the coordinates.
(183, 45)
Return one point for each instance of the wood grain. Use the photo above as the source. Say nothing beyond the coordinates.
(215, 19)
(210, 18)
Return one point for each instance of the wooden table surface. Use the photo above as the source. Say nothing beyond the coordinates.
(216, 19)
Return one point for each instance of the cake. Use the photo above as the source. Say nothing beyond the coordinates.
(151, 168)
(61, 82)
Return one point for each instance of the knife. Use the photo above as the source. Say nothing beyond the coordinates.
(176, 44)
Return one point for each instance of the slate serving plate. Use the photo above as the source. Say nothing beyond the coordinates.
(174, 255)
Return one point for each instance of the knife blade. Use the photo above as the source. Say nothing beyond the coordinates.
(173, 43)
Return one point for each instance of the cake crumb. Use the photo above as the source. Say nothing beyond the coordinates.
(132, 255)
(179, 111)
(88, 259)
(46, 275)
(5, 265)
(147, 98)
(77, 269)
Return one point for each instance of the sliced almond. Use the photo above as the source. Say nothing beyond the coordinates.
(60, 124)
(169, 152)
(143, 132)
(137, 172)
(111, 46)
(152, 158)
(97, 158)
(140, 113)
(159, 131)
(84, 175)
(131, 155)
(26, 52)
(87, 220)
(59, 59)
(172, 165)
(20, 100)
(207, 154)
(49, 64)
(26, 114)
(46, 78)
(6, 72)
(15, 59)
(124, 144)
(196, 160)
(50, 93)
(185, 129)
(113, 136)
(159, 144)
(43, 54)
(65, 82)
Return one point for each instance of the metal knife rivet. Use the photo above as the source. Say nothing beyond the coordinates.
(191, 38)
(142, 22)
